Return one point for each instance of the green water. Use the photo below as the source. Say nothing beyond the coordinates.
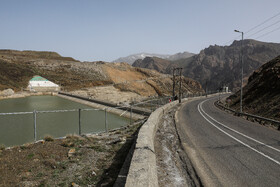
(19, 129)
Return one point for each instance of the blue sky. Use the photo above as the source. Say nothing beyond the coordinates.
(109, 29)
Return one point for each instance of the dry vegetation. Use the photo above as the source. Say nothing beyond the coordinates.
(85, 161)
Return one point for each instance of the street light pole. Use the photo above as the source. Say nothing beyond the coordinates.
(241, 90)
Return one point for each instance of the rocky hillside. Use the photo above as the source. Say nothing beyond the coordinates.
(261, 95)
(14, 54)
(154, 63)
(18, 67)
(216, 66)
(179, 56)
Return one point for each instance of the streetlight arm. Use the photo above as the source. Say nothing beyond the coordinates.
(238, 31)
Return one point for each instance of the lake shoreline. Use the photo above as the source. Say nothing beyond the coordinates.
(27, 94)
(31, 118)
(119, 112)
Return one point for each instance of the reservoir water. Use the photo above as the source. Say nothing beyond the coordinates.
(19, 129)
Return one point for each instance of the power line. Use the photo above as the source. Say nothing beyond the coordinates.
(253, 28)
(263, 29)
(262, 23)
(231, 40)
(268, 33)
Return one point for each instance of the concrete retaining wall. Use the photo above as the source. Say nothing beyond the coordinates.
(143, 169)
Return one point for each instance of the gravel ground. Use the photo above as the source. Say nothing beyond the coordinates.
(173, 165)
(93, 160)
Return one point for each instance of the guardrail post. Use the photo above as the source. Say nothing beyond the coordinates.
(106, 128)
(35, 121)
(80, 130)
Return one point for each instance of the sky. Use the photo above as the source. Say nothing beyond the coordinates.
(104, 30)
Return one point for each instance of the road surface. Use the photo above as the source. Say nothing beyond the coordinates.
(227, 150)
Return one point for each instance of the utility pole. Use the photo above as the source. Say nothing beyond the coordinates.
(175, 82)
(180, 93)
(241, 89)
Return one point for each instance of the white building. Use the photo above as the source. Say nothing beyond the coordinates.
(41, 84)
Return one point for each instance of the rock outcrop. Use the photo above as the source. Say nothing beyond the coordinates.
(261, 95)
(217, 66)
(154, 63)
(7, 92)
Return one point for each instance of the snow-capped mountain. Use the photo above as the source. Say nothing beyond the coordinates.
(132, 58)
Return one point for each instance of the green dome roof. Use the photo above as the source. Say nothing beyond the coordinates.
(38, 78)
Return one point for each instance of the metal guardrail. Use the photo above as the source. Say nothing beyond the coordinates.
(272, 121)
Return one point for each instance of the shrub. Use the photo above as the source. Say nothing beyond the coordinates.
(48, 138)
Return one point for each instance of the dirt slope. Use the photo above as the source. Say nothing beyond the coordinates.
(17, 67)
(95, 160)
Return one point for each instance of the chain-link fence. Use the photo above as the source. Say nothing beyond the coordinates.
(21, 127)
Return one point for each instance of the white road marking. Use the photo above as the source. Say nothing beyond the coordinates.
(266, 156)
(238, 131)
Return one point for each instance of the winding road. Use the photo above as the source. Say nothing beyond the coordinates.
(226, 150)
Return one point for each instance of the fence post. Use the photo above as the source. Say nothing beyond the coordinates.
(34, 118)
(80, 130)
(130, 114)
(106, 128)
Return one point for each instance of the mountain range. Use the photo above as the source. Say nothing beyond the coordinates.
(218, 66)
(131, 58)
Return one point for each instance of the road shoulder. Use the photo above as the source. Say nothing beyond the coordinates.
(173, 165)
(200, 167)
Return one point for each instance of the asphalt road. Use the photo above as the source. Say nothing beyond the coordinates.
(226, 150)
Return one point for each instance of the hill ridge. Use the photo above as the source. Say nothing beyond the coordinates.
(216, 66)
(83, 77)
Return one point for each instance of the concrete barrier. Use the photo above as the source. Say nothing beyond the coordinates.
(143, 169)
